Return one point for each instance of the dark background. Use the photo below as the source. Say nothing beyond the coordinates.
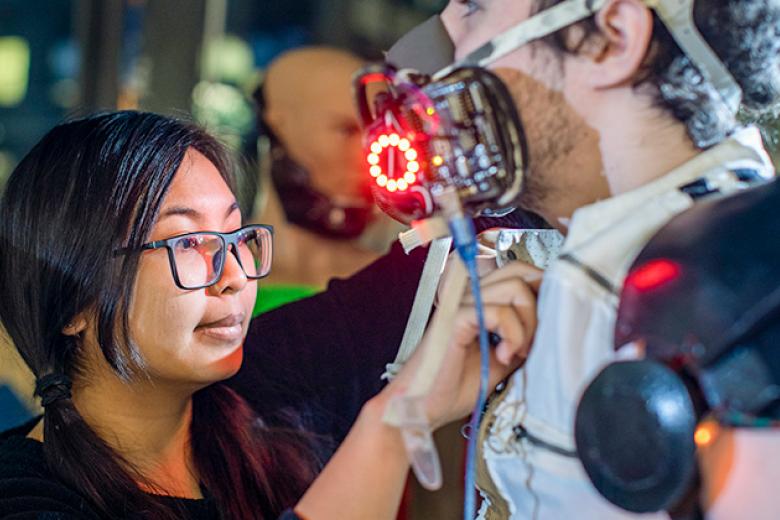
(60, 58)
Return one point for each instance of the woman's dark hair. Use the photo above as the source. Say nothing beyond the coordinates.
(89, 187)
(745, 34)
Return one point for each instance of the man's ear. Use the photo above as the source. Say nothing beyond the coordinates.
(76, 326)
(273, 118)
(626, 32)
(279, 120)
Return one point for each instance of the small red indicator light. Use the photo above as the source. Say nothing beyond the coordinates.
(654, 274)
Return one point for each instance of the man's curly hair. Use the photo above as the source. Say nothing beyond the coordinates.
(745, 34)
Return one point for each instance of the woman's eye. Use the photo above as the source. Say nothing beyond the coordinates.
(187, 243)
(247, 236)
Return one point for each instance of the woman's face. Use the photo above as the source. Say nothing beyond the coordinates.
(192, 338)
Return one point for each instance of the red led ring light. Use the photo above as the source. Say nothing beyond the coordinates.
(392, 147)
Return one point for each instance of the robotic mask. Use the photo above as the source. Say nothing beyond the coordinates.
(459, 128)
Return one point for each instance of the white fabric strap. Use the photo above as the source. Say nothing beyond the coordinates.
(439, 335)
(676, 15)
(423, 232)
(423, 304)
(538, 26)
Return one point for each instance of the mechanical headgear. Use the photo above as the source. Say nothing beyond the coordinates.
(459, 128)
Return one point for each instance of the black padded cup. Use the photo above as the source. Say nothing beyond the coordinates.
(634, 431)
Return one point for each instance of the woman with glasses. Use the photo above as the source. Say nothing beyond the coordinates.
(128, 282)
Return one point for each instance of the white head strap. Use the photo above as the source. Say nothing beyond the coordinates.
(676, 15)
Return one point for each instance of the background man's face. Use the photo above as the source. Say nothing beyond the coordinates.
(310, 108)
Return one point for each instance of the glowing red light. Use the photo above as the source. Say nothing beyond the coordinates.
(397, 172)
(373, 78)
(654, 274)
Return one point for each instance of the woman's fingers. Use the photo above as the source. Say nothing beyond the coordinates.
(527, 273)
(505, 292)
(486, 264)
(514, 335)
(509, 305)
(509, 322)
(508, 291)
(502, 361)
(511, 326)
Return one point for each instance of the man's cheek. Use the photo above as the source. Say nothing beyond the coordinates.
(464, 46)
(473, 33)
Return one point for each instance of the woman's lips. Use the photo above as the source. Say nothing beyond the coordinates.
(228, 329)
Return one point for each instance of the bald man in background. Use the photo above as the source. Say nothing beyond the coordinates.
(314, 181)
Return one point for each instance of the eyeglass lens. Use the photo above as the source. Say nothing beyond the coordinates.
(199, 257)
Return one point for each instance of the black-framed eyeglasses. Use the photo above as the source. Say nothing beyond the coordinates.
(197, 260)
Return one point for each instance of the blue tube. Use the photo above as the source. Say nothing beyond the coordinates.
(465, 240)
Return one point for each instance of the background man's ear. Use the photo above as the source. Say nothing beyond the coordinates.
(277, 120)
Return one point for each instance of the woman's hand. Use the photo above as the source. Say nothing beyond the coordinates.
(509, 298)
(353, 484)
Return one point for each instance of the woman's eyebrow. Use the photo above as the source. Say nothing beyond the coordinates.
(180, 210)
(233, 207)
(193, 213)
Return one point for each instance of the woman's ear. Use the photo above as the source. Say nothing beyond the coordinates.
(76, 326)
(626, 30)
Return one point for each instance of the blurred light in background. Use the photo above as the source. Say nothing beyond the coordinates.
(15, 71)
(228, 59)
(224, 110)
(220, 101)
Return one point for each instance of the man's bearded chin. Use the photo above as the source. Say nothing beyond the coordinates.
(558, 141)
(544, 134)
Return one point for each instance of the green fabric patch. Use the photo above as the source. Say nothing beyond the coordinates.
(270, 297)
